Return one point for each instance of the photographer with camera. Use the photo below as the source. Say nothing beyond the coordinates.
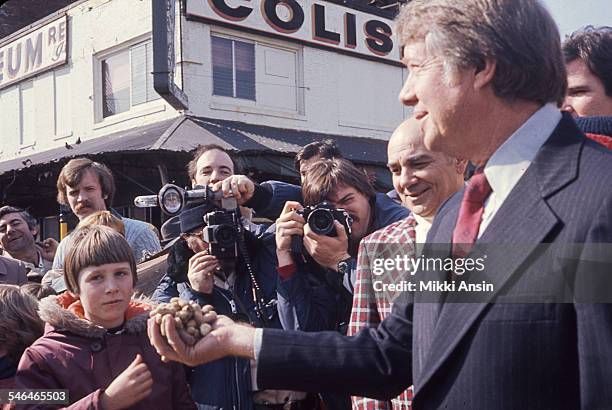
(316, 282)
(316, 285)
(211, 165)
(217, 262)
(267, 198)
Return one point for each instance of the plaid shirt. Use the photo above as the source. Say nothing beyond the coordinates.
(371, 307)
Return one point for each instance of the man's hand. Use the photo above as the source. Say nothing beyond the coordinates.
(201, 271)
(48, 247)
(327, 251)
(132, 385)
(226, 339)
(238, 186)
(289, 223)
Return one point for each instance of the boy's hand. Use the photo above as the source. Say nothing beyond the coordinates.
(132, 385)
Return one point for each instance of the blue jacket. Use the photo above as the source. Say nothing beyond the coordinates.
(269, 198)
(225, 383)
(314, 298)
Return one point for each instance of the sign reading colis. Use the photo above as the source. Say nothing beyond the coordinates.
(319, 22)
(34, 52)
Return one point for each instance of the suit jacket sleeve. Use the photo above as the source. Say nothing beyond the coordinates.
(375, 363)
(269, 198)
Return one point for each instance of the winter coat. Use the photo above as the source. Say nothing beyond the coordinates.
(84, 358)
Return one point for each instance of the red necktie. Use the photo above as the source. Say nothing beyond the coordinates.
(470, 214)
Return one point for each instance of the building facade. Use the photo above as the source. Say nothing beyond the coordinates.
(138, 84)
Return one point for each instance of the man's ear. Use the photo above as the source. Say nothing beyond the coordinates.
(35, 231)
(484, 75)
(460, 166)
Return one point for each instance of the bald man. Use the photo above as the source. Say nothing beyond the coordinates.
(424, 180)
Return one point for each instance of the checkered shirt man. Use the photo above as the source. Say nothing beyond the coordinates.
(371, 307)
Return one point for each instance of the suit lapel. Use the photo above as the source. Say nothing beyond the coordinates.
(524, 219)
(427, 304)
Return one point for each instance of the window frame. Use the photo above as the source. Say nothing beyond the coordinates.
(223, 103)
(98, 91)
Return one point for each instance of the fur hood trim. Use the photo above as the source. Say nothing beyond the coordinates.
(65, 313)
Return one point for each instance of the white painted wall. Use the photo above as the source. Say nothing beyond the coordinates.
(340, 94)
(337, 94)
(65, 98)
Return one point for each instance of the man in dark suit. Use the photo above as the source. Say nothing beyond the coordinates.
(486, 80)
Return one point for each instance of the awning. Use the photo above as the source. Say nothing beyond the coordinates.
(136, 139)
(248, 138)
(269, 150)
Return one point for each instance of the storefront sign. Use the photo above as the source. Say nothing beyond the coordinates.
(319, 22)
(34, 52)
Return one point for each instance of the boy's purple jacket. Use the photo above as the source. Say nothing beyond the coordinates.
(84, 358)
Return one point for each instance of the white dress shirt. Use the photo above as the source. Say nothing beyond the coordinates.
(510, 161)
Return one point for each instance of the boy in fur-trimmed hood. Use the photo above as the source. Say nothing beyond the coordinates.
(95, 342)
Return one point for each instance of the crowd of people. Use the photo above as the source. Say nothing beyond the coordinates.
(508, 143)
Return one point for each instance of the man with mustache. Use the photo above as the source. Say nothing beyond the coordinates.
(87, 187)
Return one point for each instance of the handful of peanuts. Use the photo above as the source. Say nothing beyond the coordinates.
(192, 321)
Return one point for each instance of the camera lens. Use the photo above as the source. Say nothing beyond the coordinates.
(225, 235)
(172, 201)
(321, 221)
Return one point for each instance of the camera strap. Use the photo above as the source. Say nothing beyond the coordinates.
(261, 305)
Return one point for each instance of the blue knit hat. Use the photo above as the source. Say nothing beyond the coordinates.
(595, 125)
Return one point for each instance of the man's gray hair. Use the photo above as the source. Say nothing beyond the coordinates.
(27, 217)
(519, 35)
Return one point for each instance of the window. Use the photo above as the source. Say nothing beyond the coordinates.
(256, 75)
(127, 79)
(233, 64)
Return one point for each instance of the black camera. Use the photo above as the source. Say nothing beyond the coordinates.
(173, 199)
(222, 221)
(221, 233)
(321, 217)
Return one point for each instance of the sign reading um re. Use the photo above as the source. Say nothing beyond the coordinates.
(34, 52)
